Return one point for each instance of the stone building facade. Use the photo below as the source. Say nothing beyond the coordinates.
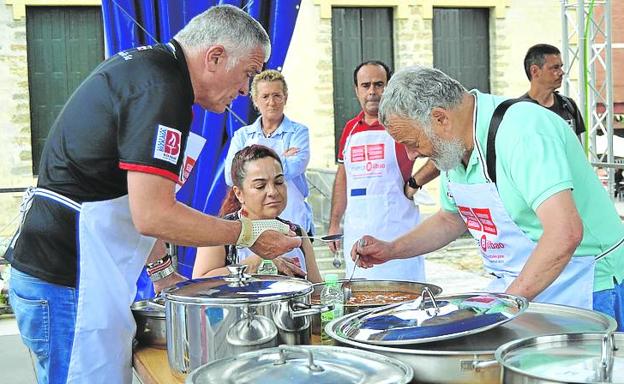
(514, 25)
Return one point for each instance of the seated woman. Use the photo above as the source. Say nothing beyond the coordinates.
(259, 192)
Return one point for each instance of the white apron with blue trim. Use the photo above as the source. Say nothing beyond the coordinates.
(505, 248)
(296, 210)
(376, 204)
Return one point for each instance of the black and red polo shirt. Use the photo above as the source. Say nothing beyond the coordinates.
(133, 112)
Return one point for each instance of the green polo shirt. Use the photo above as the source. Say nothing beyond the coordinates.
(537, 155)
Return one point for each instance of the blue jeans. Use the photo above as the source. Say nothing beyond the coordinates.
(611, 302)
(46, 317)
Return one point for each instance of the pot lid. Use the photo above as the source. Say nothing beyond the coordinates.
(237, 287)
(539, 319)
(566, 358)
(429, 319)
(304, 364)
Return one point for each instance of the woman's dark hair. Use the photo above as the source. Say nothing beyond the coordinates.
(239, 171)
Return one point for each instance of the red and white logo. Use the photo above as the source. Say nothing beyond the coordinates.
(368, 152)
(358, 153)
(478, 219)
(168, 144)
(486, 244)
(187, 167)
(375, 151)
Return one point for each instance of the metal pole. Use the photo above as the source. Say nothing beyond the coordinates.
(609, 91)
(565, 44)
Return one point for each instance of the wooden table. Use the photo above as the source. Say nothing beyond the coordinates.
(152, 367)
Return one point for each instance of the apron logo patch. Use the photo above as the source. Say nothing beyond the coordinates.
(375, 151)
(478, 219)
(168, 144)
(358, 153)
(368, 152)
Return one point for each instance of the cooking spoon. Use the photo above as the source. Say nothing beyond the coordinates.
(347, 286)
(326, 238)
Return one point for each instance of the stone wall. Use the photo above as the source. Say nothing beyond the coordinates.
(16, 156)
(514, 26)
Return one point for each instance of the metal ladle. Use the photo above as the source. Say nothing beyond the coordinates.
(327, 239)
(346, 287)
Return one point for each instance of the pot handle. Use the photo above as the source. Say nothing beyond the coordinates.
(477, 365)
(606, 357)
(288, 348)
(298, 309)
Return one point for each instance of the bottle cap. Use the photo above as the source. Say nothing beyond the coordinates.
(331, 278)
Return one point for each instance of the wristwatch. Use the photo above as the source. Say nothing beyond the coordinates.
(412, 183)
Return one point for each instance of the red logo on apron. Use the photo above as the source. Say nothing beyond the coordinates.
(375, 151)
(485, 218)
(358, 153)
(478, 219)
(469, 217)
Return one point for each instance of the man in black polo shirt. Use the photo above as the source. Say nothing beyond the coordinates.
(544, 68)
(106, 192)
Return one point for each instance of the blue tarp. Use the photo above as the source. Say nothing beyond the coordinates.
(132, 23)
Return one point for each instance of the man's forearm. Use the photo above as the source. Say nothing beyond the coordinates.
(155, 212)
(183, 225)
(424, 175)
(542, 268)
(430, 235)
(563, 232)
(339, 198)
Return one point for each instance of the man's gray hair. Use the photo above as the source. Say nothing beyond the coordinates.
(414, 91)
(225, 25)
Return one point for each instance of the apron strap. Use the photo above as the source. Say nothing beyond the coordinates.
(66, 201)
(27, 199)
(497, 118)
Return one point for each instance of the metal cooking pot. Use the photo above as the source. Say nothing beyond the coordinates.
(304, 365)
(563, 358)
(470, 359)
(149, 316)
(361, 286)
(218, 317)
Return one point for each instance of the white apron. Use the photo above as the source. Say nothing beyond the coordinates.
(112, 254)
(296, 210)
(506, 248)
(376, 204)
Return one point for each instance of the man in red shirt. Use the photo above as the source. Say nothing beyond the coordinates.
(372, 181)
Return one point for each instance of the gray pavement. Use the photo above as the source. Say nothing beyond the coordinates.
(16, 366)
